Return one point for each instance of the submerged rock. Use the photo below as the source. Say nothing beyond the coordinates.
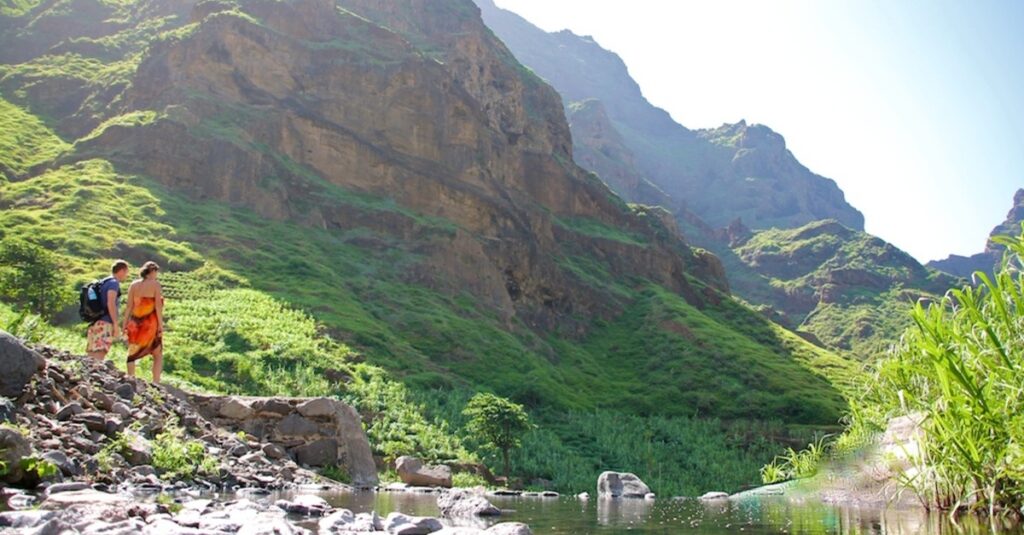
(463, 503)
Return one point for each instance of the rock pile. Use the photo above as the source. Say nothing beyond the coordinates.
(96, 424)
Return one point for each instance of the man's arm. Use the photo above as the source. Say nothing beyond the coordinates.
(112, 310)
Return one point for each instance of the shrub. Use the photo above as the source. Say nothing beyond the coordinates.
(31, 277)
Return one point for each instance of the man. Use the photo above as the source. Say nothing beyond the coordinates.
(106, 330)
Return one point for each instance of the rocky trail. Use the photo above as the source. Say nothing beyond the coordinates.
(87, 449)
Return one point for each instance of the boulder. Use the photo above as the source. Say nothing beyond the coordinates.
(463, 503)
(338, 521)
(13, 448)
(87, 497)
(61, 460)
(399, 524)
(138, 451)
(318, 407)
(412, 471)
(236, 410)
(323, 452)
(22, 520)
(125, 391)
(71, 409)
(621, 485)
(714, 495)
(305, 505)
(19, 364)
(294, 425)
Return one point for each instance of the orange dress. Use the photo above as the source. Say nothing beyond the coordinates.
(143, 329)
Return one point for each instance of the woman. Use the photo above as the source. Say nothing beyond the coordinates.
(144, 320)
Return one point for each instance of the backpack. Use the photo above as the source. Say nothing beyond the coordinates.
(90, 306)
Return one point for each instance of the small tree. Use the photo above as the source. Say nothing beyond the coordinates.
(30, 277)
(498, 422)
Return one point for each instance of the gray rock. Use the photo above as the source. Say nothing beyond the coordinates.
(583, 496)
(8, 412)
(125, 391)
(463, 503)
(103, 400)
(460, 531)
(509, 528)
(339, 520)
(715, 495)
(305, 505)
(93, 421)
(19, 364)
(121, 409)
(399, 524)
(87, 497)
(412, 471)
(58, 458)
(294, 425)
(318, 407)
(71, 409)
(72, 486)
(13, 448)
(273, 451)
(621, 485)
(25, 519)
(267, 524)
(139, 451)
(236, 410)
(323, 452)
(273, 407)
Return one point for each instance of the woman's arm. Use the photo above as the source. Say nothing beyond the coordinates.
(129, 306)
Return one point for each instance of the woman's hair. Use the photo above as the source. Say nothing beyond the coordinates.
(148, 268)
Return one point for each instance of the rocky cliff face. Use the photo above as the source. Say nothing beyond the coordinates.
(721, 174)
(965, 266)
(279, 105)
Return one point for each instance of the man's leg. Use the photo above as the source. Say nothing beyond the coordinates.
(98, 340)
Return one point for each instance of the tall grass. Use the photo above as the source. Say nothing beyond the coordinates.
(961, 367)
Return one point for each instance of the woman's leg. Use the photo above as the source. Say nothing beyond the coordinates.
(158, 364)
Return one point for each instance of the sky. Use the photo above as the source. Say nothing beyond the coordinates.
(914, 107)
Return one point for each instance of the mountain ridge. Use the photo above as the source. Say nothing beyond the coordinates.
(987, 260)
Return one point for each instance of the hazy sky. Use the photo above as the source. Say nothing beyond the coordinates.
(915, 107)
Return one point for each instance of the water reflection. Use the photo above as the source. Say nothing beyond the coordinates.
(689, 516)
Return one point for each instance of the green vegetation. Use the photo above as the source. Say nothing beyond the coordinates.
(498, 423)
(960, 370)
(795, 464)
(24, 140)
(597, 229)
(31, 277)
(179, 457)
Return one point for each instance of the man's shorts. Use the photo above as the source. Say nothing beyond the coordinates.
(100, 338)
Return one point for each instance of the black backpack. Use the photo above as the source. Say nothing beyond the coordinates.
(90, 306)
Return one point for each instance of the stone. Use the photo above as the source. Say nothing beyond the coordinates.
(294, 425)
(649, 496)
(61, 460)
(13, 448)
(236, 410)
(273, 407)
(67, 411)
(621, 485)
(459, 531)
(339, 520)
(8, 412)
(267, 524)
(25, 519)
(463, 503)
(273, 451)
(19, 364)
(399, 524)
(93, 421)
(88, 497)
(57, 488)
(103, 400)
(323, 452)
(121, 409)
(714, 495)
(125, 391)
(509, 528)
(305, 505)
(583, 496)
(318, 407)
(138, 451)
(412, 471)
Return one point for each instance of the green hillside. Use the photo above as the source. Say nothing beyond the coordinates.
(262, 305)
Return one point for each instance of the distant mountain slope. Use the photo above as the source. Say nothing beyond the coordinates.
(965, 266)
(787, 238)
(737, 171)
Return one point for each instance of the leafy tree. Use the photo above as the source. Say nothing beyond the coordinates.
(30, 276)
(498, 422)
